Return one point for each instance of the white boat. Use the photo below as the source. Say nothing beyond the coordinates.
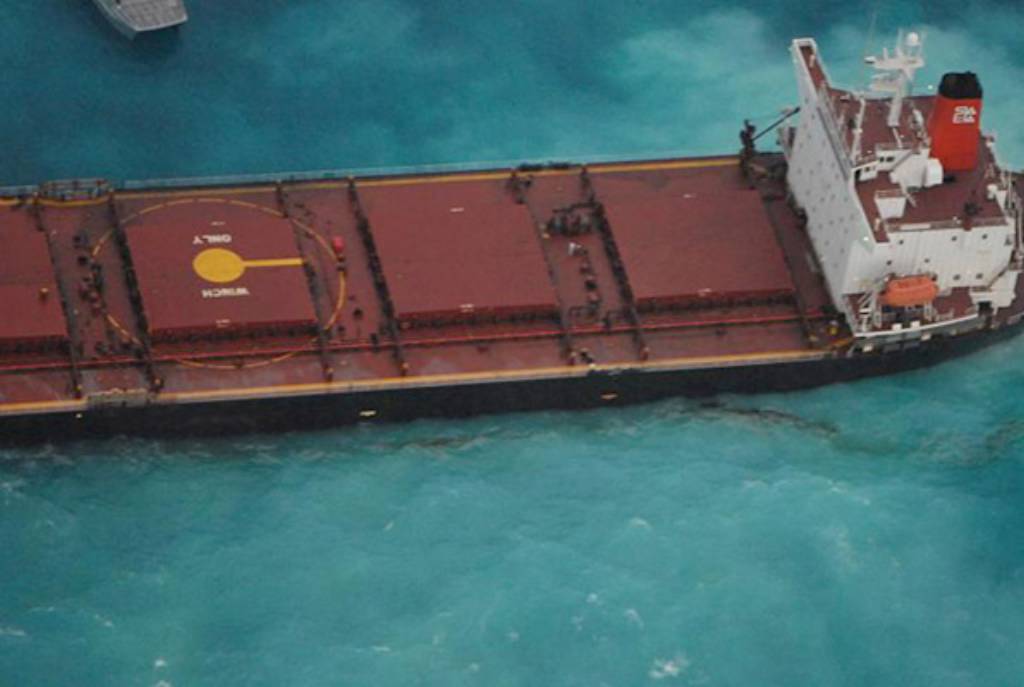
(132, 17)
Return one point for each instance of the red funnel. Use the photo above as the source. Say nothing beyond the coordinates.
(955, 122)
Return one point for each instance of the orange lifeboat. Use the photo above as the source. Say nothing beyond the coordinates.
(908, 292)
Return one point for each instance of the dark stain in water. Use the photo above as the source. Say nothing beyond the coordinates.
(1004, 437)
(770, 417)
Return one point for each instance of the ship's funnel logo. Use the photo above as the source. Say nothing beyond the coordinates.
(965, 114)
(223, 266)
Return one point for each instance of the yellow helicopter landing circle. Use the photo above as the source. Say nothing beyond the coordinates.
(223, 266)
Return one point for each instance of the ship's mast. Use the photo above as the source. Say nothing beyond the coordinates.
(895, 75)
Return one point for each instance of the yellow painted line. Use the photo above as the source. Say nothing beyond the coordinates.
(243, 393)
(491, 176)
(410, 180)
(413, 180)
(40, 406)
(222, 266)
(521, 375)
(274, 262)
(656, 166)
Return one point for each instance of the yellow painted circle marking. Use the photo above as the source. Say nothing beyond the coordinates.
(219, 265)
(339, 299)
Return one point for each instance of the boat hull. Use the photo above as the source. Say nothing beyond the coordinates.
(124, 27)
(593, 390)
(427, 294)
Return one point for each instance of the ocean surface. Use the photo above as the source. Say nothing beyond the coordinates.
(859, 534)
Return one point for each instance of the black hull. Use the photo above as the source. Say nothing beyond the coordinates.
(590, 391)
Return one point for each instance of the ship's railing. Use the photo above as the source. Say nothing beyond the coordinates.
(74, 189)
(17, 191)
(952, 314)
(402, 170)
(895, 226)
(929, 317)
(951, 223)
(367, 172)
(989, 222)
(234, 179)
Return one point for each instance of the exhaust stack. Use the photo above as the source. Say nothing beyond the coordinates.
(955, 122)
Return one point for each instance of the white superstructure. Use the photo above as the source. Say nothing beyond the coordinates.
(908, 245)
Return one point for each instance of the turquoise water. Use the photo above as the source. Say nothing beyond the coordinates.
(857, 534)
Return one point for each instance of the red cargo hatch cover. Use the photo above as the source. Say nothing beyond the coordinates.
(30, 311)
(701, 247)
(218, 267)
(458, 251)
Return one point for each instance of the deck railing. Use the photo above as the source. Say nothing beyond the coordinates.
(17, 191)
(362, 172)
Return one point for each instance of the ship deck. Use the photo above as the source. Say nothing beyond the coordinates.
(961, 200)
(173, 295)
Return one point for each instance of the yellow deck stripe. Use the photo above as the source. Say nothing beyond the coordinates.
(523, 375)
(40, 406)
(274, 262)
(567, 371)
(412, 180)
(491, 176)
(656, 166)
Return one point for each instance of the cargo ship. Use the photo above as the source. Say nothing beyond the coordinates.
(884, 236)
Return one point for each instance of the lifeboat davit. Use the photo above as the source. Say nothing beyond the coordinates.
(909, 292)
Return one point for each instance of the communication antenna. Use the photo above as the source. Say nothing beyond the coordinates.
(870, 40)
(896, 71)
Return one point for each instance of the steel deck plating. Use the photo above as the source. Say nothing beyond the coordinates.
(155, 297)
